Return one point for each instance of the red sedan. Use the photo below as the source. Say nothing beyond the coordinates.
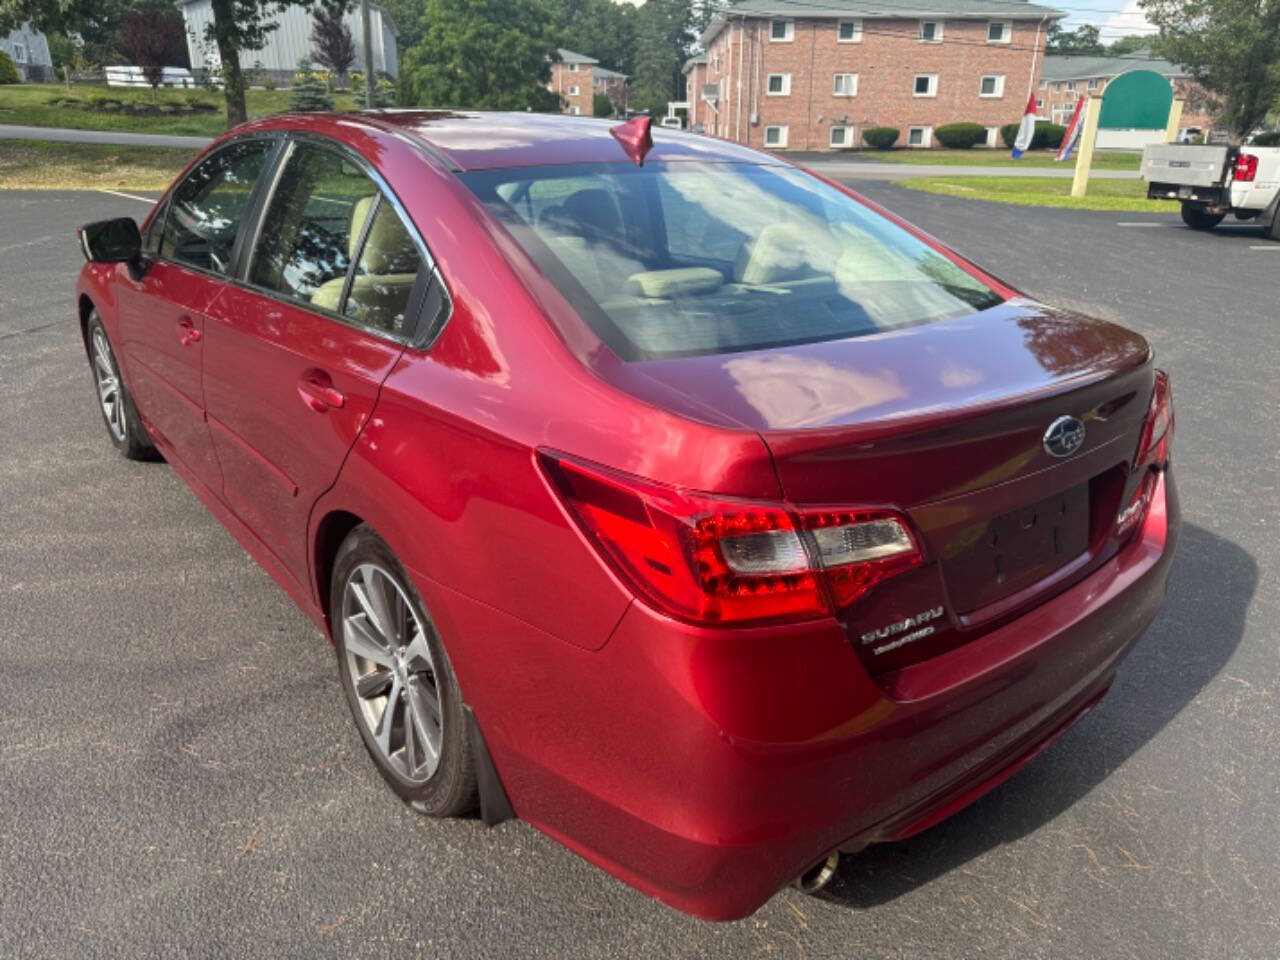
(682, 503)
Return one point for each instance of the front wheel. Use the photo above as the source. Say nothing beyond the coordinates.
(398, 680)
(124, 426)
(1197, 217)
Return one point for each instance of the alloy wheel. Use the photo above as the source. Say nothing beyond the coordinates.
(389, 666)
(108, 380)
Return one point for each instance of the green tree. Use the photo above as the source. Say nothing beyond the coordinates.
(1084, 40)
(664, 38)
(1128, 45)
(1231, 47)
(480, 53)
(601, 29)
(601, 106)
(8, 72)
(309, 93)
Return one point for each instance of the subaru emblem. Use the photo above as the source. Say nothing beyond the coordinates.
(1064, 437)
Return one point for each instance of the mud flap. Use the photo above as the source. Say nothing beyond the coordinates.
(494, 805)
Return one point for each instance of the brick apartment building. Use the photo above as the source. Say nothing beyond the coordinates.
(1064, 79)
(577, 78)
(786, 74)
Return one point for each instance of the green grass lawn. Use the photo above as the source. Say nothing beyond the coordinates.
(1128, 195)
(996, 158)
(42, 165)
(28, 104)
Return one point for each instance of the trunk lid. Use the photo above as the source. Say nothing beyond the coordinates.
(946, 422)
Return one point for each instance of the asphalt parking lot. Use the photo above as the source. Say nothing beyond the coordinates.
(179, 775)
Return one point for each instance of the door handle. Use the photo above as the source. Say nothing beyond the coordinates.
(188, 332)
(319, 393)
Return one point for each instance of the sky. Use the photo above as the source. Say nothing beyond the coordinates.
(1115, 18)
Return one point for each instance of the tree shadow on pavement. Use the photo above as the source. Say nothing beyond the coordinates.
(1193, 637)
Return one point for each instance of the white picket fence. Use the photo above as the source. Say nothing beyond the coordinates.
(134, 77)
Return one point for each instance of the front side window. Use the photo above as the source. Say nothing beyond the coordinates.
(19, 53)
(839, 136)
(930, 31)
(779, 84)
(849, 31)
(775, 136)
(999, 31)
(208, 208)
(845, 85)
(693, 258)
(919, 136)
(926, 85)
(781, 29)
(573, 90)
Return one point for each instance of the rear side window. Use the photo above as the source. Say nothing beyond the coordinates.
(691, 258)
(207, 210)
(327, 220)
(385, 274)
(312, 227)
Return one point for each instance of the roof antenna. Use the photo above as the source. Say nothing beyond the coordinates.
(635, 137)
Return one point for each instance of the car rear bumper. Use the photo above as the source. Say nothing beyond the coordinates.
(710, 768)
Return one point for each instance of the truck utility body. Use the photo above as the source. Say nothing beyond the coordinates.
(1212, 180)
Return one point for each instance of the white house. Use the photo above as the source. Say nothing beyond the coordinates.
(290, 41)
(28, 48)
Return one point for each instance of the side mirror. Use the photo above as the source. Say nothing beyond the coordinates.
(111, 241)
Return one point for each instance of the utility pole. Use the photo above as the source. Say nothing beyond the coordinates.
(370, 83)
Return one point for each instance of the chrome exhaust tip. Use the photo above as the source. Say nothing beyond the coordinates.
(819, 875)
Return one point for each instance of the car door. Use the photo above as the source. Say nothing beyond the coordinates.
(295, 356)
(162, 314)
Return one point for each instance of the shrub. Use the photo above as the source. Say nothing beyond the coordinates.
(1048, 136)
(880, 138)
(8, 72)
(960, 136)
(309, 94)
(1269, 139)
(601, 106)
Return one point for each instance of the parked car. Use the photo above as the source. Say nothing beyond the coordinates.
(684, 504)
(1211, 181)
(1189, 135)
(673, 123)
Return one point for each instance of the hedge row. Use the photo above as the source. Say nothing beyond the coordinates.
(1048, 136)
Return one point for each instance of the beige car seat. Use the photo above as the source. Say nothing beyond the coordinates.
(386, 274)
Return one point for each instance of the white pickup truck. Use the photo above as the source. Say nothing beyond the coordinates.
(1212, 181)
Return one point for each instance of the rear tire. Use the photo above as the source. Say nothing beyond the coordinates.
(124, 426)
(1197, 218)
(398, 681)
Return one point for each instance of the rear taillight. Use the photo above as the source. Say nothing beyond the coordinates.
(711, 559)
(1157, 431)
(1152, 454)
(1246, 168)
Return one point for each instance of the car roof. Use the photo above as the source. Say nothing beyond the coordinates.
(481, 140)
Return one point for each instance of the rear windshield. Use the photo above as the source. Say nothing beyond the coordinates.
(692, 258)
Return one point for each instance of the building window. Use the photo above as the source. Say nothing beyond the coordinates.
(573, 90)
(926, 85)
(845, 85)
(1071, 85)
(849, 31)
(999, 31)
(779, 84)
(782, 30)
(573, 67)
(1039, 104)
(930, 31)
(1093, 84)
(19, 53)
(841, 136)
(992, 134)
(1044, 84)
(775, 136)
(991, 86)
(574, 111)
(919, 136)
